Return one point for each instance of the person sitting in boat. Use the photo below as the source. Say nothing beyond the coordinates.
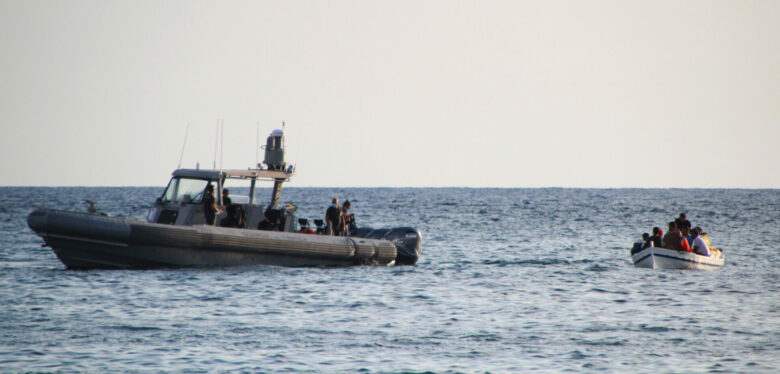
(210, 207)
(682, 222)
(700, 246)
(675, 240)
(235, 215)
(657, 236)
(713, 251)
(226, 202)
(646, 242)
(333, 219)
(672, 238)
(640, 246)
(686, 234)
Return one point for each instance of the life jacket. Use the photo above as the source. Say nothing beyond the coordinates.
(706, 240)
(685, 246)
(713, 251)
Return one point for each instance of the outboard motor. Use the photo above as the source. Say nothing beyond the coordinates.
(320, 226)
(274, 151)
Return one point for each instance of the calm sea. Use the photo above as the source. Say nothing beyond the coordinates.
(510, 280)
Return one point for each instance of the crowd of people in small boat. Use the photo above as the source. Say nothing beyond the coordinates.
(680, 237)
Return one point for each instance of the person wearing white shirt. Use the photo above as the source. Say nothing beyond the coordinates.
(699, 245)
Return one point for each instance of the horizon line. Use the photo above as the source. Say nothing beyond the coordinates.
(422, 187)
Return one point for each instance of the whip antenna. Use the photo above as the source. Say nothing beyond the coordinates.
(183, 145)
(221, 144)
(216, 143)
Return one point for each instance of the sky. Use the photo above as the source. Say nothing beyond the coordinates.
(603, 94)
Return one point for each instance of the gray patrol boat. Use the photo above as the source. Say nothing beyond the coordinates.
(176, 235)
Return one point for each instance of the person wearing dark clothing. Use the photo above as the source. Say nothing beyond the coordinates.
(235, 216)
(333, 219)
(656, 237)
(644, 244)
(226, 198)
(682, 222)
(210, 208)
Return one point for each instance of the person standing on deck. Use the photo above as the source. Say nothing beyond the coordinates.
(347, 218)
(210, 207)
(333, 218)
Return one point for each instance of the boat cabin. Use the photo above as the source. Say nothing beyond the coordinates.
(181, 202)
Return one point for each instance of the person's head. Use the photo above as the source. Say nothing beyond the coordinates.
(210, 188)
(347, 204)
(682, 216)
(225, 192)
(645, 236)
(695, 232)
(656, 230)
(335, 201)
(672, 225)
(685, 230)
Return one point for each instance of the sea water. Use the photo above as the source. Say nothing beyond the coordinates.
(510, 280)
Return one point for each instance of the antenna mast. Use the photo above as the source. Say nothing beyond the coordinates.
(183, 145)
(216, 143)
(221, 144)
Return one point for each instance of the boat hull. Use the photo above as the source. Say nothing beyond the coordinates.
(407, 241)
(662, 258)
(85, 241)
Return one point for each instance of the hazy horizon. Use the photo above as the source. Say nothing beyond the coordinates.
(505, 94)
(289, 185)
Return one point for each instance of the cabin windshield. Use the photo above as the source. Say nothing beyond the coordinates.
(185, 190)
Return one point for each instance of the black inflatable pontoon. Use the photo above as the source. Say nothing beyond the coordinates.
(175, 234)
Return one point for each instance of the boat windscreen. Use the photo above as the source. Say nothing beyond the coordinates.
(185, 190)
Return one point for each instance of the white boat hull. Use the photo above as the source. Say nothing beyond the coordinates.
(662, 258)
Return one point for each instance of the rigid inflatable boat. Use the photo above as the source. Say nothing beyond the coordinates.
(175, 233)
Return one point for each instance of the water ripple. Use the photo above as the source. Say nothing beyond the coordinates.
(511, 280)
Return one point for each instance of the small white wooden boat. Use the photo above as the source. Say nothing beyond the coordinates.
(662, 258)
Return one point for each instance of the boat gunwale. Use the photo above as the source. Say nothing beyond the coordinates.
(676, 255)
